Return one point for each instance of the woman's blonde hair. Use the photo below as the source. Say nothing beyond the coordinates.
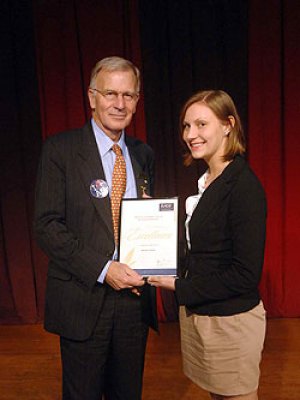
(222, 105)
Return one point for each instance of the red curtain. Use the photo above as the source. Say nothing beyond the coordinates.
(71, 36)
(274, 125)
(20, 287)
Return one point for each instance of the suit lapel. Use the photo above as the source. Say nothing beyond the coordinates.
(141, 179)
(216, 193)
(210, 199)
(90, 168)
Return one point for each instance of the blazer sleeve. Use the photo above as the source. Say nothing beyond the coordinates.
(67, 251)
(246, 222)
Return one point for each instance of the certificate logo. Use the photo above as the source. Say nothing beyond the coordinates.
(166, 207)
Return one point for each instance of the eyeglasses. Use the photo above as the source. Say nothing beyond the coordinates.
(112, 95)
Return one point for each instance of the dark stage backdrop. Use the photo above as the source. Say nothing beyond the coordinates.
(192, 45)
(249, 49)
(22, 275)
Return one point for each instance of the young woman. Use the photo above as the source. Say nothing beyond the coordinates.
(222, 318)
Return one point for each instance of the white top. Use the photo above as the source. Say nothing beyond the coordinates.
(191, 203)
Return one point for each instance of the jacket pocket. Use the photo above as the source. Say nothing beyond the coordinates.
(59, 274)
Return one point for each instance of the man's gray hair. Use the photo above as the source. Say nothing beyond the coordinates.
(114, 64)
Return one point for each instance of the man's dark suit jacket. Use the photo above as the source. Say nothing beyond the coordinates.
(227, 233)
(75, 229)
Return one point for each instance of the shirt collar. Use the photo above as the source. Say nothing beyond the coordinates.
(201, 182)
(104, 142)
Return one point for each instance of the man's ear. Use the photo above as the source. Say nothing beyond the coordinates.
(91, 96)
(136, 103)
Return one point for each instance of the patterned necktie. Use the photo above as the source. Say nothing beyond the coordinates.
(118, 188)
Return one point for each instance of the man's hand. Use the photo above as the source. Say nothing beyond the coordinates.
(120, 276)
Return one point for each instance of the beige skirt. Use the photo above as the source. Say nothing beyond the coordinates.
(222, 354)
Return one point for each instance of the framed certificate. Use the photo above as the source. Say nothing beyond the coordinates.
(149, 235)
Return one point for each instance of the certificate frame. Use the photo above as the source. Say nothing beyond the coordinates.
(149, 235)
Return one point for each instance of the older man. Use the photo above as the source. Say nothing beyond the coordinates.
(91, 298)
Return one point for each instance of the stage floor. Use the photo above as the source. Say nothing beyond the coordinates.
(30, 364)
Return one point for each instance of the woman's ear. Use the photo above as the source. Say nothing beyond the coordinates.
(231, 120)
(230, 125)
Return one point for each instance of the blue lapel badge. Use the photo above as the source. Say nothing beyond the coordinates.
(99, 188)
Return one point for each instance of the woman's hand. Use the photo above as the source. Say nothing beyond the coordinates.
(165, 282)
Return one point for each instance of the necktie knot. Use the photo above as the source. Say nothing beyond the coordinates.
(117, 149)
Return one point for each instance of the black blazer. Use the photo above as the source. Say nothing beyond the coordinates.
(75, 229)
(227, 233)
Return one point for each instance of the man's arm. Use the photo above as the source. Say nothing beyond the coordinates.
(60, 244)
